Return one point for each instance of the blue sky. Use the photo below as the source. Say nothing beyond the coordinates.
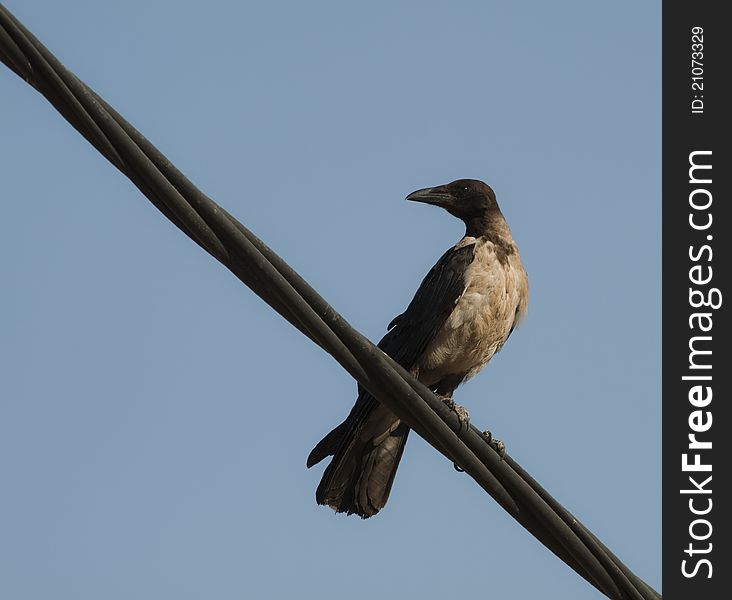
(155, 415)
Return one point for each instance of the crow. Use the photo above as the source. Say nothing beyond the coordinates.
(463, 312)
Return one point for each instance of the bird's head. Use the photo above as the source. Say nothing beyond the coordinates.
(467, 199)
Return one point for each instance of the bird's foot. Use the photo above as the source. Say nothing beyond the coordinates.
(497, 445)
(462, 413)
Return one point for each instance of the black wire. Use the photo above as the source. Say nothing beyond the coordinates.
(230, 242)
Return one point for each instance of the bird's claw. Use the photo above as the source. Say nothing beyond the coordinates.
(462, 413)
(497, 445)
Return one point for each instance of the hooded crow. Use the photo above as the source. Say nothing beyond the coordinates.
(461, 315)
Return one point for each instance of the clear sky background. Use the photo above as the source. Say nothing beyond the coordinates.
(155, 415)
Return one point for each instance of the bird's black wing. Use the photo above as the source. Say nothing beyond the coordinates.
(411, 332)
(409, 335)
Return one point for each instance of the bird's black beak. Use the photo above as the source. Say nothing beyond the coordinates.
(438, 196)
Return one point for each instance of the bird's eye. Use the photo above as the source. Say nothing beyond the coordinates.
(466, 188)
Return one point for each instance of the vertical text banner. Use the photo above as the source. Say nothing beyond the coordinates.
(697, 422)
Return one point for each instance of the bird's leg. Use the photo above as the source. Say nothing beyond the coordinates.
(462, 413)
(497, 445)
(463, 418)
(444, 389)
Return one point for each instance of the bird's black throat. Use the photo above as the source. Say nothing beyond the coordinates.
(492, 227)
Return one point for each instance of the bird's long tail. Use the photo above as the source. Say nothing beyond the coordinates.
(366, 450)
